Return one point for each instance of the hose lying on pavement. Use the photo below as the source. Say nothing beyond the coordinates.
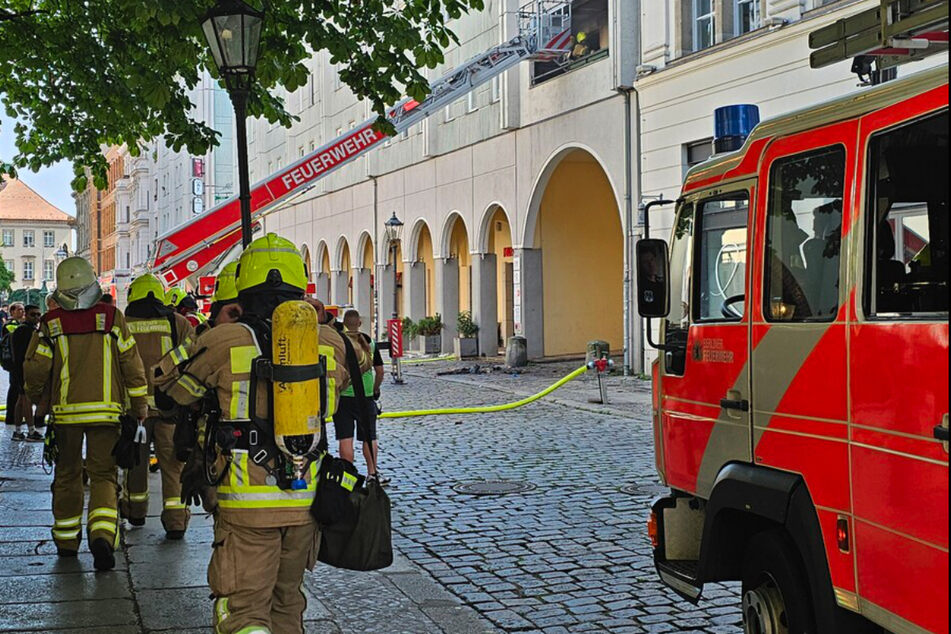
(488, 409)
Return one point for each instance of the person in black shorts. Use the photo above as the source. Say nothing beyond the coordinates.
(350, 409)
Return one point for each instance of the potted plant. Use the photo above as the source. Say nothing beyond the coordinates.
(409, 329)
(427, 331)
(466, 344)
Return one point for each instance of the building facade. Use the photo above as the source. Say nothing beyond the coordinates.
(34, 235)
(513, 199)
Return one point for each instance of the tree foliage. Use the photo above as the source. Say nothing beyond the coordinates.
(87, 74)
(6, 277)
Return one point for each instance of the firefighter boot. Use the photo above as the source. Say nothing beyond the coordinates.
(175, 513)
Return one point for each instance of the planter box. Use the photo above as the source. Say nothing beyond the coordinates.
(466, 347)
(429, 345)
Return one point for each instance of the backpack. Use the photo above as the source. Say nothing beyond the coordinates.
(6, 351)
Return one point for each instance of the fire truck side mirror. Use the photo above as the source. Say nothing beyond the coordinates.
(653, 279)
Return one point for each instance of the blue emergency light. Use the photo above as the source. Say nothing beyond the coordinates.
(732, 124)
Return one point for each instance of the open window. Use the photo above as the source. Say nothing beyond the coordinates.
(906, 260)
(590, 39)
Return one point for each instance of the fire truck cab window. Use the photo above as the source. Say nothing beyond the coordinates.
(678, 321)
(907, 251)
(721, 258)
(804, 235)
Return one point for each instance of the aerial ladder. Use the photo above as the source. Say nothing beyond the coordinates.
(544, 33)
(893, 33)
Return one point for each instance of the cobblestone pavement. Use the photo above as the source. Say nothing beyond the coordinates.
(570, 554)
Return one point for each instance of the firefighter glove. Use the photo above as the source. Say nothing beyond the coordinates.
(192, 479)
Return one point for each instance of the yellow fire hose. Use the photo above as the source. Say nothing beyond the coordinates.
(487, 409)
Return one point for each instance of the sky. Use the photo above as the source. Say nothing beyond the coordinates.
(52, 183)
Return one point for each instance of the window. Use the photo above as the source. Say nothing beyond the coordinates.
(704, 23)
(496, 88)
(48, 269)
(8, 237)
(9, 264)
(906, 262)
(746, 16)
(720, 265)
(589, 42)
(27, 269)
(804, 235)
(49, 239)
(697, 152)
(678, 321)
(29, 239)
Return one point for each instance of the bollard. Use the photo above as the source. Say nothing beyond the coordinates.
(516, 352)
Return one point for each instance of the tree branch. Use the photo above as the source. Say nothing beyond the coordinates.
(8, 15)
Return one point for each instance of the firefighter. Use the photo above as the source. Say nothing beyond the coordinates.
(85, 354)
(157, 330)
(224, 302)
(261, 522)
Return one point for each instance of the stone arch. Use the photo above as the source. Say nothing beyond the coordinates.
(543, 179)
(364, 264)
(485, 228)
(321, 275)
(308, 265)
(574, 243)
(496, 241)
(455, 246)
(343, 246)
(342, 280)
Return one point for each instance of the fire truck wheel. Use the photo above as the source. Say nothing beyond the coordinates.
(775, 595)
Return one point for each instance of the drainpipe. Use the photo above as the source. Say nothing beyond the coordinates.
(376, 265)
(633, 339)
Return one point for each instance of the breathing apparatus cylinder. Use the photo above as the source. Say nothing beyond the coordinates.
(294, 342)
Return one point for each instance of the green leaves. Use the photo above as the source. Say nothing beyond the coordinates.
(85, 74)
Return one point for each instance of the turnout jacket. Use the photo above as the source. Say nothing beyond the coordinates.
(151, 325)
(89, 360)
(220, 360)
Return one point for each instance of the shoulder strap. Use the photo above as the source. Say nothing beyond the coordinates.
(174, 327)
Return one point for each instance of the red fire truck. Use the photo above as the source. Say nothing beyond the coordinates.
(800, 404)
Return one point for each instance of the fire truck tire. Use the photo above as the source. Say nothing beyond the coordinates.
(775, 595)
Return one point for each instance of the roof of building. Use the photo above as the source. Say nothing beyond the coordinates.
(19, 202)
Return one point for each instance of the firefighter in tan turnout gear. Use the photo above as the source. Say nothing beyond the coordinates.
(157, 330)
(85, 354)
(264, 534)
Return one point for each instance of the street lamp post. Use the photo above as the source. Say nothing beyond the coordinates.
(393, 231)
(233, 31)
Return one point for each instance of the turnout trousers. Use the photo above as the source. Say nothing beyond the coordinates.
(135, 495)
(256, 575)
(102, 519)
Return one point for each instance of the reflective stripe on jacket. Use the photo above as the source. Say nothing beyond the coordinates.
(153, 338)
(93, 375)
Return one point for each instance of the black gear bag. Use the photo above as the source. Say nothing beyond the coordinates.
(354, 520)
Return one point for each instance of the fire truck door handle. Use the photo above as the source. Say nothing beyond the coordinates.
(941, 433)
(741, 404)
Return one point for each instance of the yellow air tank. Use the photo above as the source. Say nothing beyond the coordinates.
(294, 338)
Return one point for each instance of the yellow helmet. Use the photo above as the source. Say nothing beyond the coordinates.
(582, 36)
(175, 296)
(273, 263)
(76, 285)
(144, 286)
(225, 289)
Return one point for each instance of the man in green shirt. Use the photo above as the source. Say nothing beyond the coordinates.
(356, 415)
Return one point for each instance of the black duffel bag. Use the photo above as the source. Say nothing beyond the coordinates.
(354, 520)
